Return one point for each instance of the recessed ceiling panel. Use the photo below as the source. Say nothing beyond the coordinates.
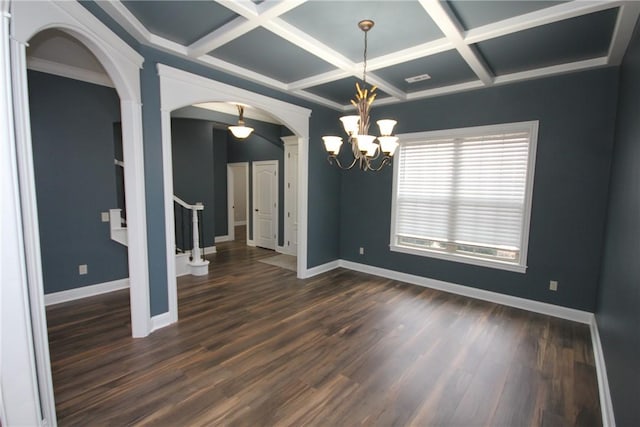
(476, 13)
(398, 25)
(183, 22)
(444, 69)
(562, 42)
(342, 91)
(266, 53)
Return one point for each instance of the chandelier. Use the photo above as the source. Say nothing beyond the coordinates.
(240, 131)
(367, 153)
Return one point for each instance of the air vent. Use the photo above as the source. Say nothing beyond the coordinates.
(419, 78)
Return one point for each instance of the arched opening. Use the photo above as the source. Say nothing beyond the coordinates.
(122, 65)
(213, 167)
(179, 89)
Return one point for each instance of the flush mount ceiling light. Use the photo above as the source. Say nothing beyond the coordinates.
(241, 131)
(367, 153)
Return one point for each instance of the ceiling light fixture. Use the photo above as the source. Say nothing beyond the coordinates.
(367, 153)
(241, 131)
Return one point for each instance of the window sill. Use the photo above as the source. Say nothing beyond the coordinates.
(465, 259)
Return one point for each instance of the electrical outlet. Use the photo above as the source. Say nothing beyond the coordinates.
(361, 251)
(553, 285)
(104, 216)
(83, 269)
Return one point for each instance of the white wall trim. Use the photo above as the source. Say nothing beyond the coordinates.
(237, 223)
(250, 242)
(225, 238)
(481, 294)
(85, 291)
(606, 405)
(322, 268)
(160, 321)
(19, 395)
(209, 250)
(68, 71)
(180, 88)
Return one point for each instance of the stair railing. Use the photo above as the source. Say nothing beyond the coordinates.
(194, 229)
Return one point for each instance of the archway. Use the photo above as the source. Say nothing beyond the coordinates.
(179, 89)
(122, 64)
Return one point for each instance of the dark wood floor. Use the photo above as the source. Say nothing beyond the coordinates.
(257, 347)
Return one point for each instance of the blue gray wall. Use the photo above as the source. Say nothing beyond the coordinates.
(256, 148)
(324, 181)
(73, 133)
(618, 308)
(201, 150)
(577, 117)
(193, 155)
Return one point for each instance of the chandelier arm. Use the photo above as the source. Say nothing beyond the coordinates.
(335, 158)
(385, 161)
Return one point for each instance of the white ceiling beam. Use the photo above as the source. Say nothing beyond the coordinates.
(386, 87)
(318, 99)
(625, 24)
(534, 19)
(250, 18)
(245, 8)
(306, 42)
(126, 19)
(453, 32)
(570, 67)
(445, 90)
(242, 72)
(409, 54)
(319, 79)
(221, 36)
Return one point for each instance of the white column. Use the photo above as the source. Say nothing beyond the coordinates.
(197, 265)
(134, 193)
(19, 398)
(196, 253)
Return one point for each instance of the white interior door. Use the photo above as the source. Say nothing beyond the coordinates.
(265, 203)
(291, 195)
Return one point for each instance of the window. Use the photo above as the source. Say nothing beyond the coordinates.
(465, 194)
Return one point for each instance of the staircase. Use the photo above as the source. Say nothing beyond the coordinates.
(189, 258)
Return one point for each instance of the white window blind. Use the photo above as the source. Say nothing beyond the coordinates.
(464, 194)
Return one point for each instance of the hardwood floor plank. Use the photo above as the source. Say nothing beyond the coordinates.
(255, 346)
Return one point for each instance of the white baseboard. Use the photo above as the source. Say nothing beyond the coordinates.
(319, 269)
(160, 321)
(240, 223)
(182, 268)
(85, 291)
(225, 238)
(281, 250)
(606, 405)
(481, 294)
(251, 243)
(209, 250)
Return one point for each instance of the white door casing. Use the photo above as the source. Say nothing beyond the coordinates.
(265, 203)
(290, 195)
(180, 88)
(123, 65)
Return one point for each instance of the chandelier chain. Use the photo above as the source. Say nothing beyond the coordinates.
(364, 72)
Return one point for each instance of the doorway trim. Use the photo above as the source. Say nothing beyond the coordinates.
(179, 88)
(122, 64)
(231, 223)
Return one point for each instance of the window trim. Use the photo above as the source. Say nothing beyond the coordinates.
(418, 137)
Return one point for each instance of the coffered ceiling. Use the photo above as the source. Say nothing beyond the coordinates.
(314, 50)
